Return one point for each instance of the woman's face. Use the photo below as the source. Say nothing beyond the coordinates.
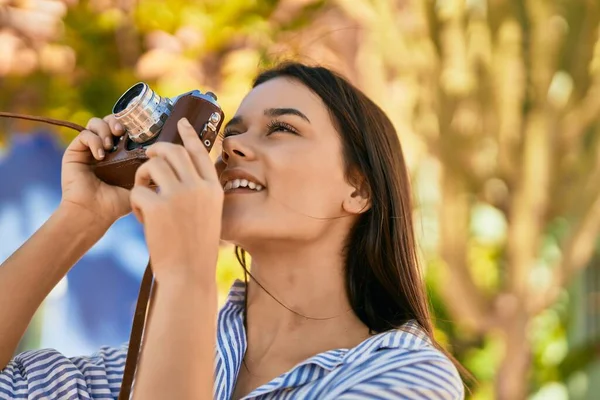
(283, 139)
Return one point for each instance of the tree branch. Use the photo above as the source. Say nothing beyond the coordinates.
(464, 299)
(578, 249)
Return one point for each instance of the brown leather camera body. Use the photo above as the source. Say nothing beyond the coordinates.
(119, 165)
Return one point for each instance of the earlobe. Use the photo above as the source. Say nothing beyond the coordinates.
(358, 200)
(357, 203)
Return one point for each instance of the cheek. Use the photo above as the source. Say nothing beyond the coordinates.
(309, 182)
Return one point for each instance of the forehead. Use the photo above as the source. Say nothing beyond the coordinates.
(282, 93)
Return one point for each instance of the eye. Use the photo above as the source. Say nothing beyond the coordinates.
(280, 126)
(229, 132)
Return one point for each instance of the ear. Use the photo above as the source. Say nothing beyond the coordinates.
(358, 199)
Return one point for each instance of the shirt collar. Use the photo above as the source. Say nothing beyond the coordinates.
(237, 293)
(231, 341)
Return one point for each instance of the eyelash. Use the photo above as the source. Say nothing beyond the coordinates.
(273, 126)
(276, 125)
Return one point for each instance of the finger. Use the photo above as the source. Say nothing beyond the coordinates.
(178, 158)
(137, 212)
(140, 199)
(116, 127)
(159, 171)
(88, 140)
(102, 129)
(196, 150)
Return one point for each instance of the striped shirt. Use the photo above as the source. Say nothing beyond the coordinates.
(398, 364)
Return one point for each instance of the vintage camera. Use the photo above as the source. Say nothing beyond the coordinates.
(149, 118)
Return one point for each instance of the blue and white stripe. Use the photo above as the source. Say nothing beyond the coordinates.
(399, 364)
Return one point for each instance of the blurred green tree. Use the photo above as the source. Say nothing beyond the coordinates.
(502, 100)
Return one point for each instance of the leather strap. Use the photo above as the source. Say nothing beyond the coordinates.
(50, 121)
(145, 297)
(147, 289)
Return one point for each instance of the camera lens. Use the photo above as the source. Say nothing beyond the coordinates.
(142, 112)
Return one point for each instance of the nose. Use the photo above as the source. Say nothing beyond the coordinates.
(236, 147)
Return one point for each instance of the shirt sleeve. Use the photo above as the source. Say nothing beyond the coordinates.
(423, 375)
(48, 374)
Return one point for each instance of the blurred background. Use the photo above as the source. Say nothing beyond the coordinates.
(497, 104)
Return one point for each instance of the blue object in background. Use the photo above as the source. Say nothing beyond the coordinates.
(95, 304)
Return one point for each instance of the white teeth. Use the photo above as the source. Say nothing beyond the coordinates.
(242, 183)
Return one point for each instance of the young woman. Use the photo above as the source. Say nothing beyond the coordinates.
(312, 184)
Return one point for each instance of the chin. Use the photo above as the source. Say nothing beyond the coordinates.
(231, 235)
(237, 228)
(248, 232)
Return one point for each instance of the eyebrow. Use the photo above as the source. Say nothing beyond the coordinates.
(277, 112)
(270, 112)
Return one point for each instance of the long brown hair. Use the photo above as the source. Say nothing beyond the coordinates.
(382, 272)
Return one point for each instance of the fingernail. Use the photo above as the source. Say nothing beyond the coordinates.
(118, 127)
(101, 153)
(185, 122)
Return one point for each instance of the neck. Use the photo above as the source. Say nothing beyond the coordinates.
(309, 285)
(309, 281)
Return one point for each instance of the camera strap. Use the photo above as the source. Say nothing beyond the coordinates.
(146, 293)
(145, 297)
(50, 121)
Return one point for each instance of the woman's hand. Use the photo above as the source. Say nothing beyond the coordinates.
(182, 223)
(182, 220)
(82, 191)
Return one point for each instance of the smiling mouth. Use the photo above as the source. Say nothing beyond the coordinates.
(242, 186)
